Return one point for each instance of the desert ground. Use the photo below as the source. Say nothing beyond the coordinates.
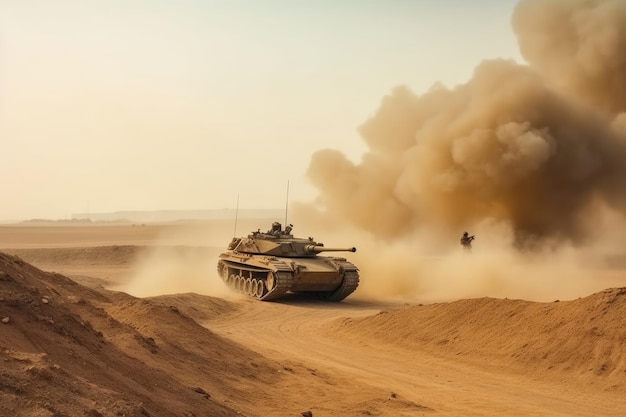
(131, 320)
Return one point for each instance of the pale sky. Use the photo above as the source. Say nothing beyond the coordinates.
(110, 105)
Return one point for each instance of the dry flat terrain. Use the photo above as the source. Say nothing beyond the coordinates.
(75, 342)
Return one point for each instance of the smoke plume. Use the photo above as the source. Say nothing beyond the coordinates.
(579, 46)
(538, 147)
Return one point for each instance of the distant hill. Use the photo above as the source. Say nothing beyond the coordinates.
(174, 215)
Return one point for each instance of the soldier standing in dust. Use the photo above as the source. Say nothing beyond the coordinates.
(466, 242)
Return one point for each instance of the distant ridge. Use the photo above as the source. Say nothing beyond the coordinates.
(174, 215)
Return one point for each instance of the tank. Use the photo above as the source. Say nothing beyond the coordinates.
(268, 265)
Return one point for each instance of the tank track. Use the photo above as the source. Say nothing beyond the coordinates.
(348, 286)
(281, 286)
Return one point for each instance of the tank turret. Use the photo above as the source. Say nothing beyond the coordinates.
(267, 265)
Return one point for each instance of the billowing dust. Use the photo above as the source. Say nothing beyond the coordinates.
(529, 157)
(182, 260)
(578, 46)
(426, 266)
(509, 145)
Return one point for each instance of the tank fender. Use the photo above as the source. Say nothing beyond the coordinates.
(346, 266)
(281, 266)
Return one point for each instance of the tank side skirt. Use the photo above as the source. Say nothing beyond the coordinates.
(235, 265)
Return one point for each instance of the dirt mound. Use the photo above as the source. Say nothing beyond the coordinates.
(585, 338)
(196, 307)
(70, 350)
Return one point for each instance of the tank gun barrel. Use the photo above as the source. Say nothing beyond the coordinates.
(320, 248)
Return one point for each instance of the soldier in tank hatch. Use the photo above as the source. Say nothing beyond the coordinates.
(276, 229)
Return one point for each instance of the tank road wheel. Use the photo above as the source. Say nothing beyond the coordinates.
(253, 286)
(278, 284)
(260, 289)
(271, 281)
(248, 286)
(240, 283)
(231, 280)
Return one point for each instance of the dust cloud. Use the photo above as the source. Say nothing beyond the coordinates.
(579, 46)
(182, 260)
(427, 267)
(503, 146)
(172, 270)
(530, 157)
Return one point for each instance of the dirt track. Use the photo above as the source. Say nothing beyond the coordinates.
(363, 357)
(297, 331)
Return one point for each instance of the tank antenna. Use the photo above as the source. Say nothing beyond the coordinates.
(287, 203)
(236, 215)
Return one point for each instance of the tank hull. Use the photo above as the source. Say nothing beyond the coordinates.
(270, 277)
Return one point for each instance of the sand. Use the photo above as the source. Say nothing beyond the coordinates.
(76, 344)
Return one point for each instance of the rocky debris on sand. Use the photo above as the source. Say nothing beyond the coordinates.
(203, 392)
(6, 319)
(307, 414)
